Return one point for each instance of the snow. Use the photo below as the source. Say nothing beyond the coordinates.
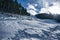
(30, 39)
(30, 29)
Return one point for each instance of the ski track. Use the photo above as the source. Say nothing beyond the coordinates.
(9, 27)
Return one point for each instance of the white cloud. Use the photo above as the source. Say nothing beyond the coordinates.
(43, 10)
(36, 5)
(31, 9)
(52, 6)
(30, 6)
(54, 9)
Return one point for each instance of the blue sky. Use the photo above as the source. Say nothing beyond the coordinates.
(23, 2)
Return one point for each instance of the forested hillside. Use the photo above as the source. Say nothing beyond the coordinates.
(12, 6)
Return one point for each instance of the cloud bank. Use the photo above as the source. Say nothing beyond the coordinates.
(42, 6)
(31, 9)
(54, 9)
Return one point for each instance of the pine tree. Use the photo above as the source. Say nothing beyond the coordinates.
(12, 6)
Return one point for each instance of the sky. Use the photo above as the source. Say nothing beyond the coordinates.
(25, 2)
(31, 5)
(41, 6)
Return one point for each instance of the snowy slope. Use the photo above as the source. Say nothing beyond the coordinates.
(27, 28)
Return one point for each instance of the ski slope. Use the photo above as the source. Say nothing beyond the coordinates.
(28, 28)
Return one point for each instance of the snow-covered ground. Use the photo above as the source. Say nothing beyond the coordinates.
(27, 28)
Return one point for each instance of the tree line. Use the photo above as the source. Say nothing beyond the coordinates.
(12, 6)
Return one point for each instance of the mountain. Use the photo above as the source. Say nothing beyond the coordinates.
(44, 16)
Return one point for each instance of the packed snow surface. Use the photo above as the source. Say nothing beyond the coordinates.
(28, 28)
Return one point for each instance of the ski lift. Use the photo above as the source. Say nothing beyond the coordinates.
(20, 13)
